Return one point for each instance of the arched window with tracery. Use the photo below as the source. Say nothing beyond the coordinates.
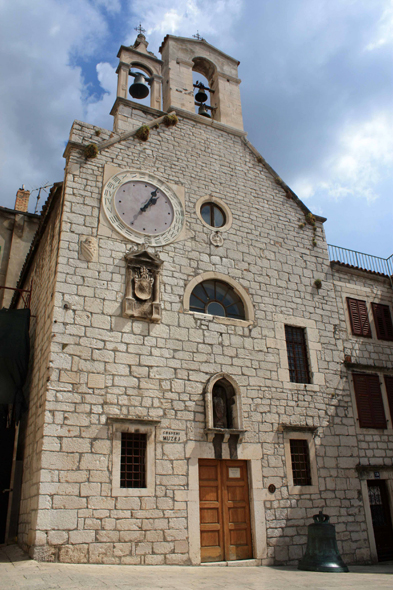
(217, 298)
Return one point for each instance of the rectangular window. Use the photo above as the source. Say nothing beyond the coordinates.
(383, 321)
(369, 402)
(297, 355)
(300, 459)
(133, 460)
(359, 317)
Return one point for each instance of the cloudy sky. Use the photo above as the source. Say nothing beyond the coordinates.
(317, 90)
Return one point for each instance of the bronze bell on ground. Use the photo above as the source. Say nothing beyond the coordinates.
(203, 111)
(139, 89)
(322, 552)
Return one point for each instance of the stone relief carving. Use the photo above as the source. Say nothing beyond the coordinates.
(89, 249)
(216, 238)
(142, 299)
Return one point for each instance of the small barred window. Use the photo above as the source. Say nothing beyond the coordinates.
(300, 458)
(297, 355)
(133, 460)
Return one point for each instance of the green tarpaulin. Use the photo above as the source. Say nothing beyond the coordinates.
(14, 356)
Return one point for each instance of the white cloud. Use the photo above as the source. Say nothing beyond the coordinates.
(384, 33)
(42, 93)
(97, 112)
(188, 16)
(361, 159)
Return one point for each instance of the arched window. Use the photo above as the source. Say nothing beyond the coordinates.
(217, 298)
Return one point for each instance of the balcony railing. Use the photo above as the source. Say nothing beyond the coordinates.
(381, 266)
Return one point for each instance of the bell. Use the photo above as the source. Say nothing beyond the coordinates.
(201, 95)
(139, 89)
(322, 552)
(202, 111)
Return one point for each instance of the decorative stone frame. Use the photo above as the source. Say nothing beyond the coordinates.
(308, 435)
(220, 203)
(237, 411)
(146, 306)
(239, 290)
(147, 427)
(313, 345)
(252, 453)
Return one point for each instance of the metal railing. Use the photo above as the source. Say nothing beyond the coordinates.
(383, 266)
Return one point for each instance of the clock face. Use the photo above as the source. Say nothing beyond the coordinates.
(143, 208)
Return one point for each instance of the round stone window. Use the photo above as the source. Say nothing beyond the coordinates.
(213, 215)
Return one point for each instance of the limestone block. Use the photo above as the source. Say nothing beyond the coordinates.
(57, 520)
(80, 537)
(57, 537)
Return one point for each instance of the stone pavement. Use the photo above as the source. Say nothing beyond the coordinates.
(18, 572)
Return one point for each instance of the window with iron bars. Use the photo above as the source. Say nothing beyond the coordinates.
(300, 458)
(297, 355)
(133, 460)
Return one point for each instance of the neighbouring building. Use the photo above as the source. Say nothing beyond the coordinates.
(204, 377)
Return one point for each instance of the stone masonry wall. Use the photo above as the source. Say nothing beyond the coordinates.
(105, 366)
(42, 276)
(371, 354)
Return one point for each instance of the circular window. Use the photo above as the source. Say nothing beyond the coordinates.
(217, 298)
(213, 215)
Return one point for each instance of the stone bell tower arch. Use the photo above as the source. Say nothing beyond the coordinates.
(181, 56)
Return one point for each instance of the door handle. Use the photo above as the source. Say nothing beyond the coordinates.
(8, 490)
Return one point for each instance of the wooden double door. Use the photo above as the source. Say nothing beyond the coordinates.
(224, 510)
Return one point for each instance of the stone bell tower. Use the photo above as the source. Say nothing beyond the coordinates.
(183, 56)
(170, 81)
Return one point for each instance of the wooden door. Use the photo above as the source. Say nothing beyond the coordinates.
(382, 519)
(224, 510)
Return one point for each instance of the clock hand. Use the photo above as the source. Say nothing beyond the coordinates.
(151, 201)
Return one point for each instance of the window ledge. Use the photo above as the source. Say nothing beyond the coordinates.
(211, 432)
(302, 386)
(220, 320)
(303, 489)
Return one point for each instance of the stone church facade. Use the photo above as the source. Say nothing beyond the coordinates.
(199, 387)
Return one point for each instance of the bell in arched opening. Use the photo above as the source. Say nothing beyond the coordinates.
(139, 88)
(201, 95)
(203, 111)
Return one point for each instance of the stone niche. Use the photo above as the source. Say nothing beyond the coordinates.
(142, 299)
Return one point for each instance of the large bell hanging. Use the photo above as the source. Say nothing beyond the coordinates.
(201, 95)
(139, 89)
(203, 111)
(322, 552)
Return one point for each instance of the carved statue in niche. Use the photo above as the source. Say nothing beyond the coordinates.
(223, 400)
(142, 298)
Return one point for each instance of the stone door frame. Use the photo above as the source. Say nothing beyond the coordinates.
(252, 453)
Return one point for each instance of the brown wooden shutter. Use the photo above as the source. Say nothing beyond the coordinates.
(359, 317)
(389, 391)
(369, 402)
(383, 321)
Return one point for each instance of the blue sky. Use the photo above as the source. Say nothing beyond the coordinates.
(317, 90)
